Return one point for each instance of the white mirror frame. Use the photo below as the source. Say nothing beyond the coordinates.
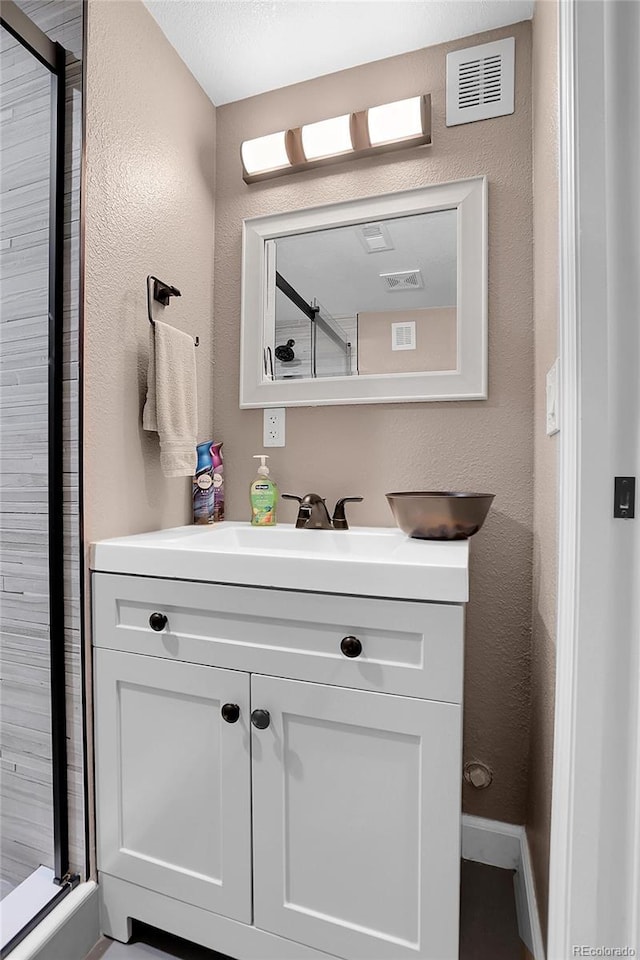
(467, 382)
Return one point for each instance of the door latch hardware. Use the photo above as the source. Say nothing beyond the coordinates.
(624, 503)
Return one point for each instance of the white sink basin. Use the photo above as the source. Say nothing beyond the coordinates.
(234, 537)
(367, 561)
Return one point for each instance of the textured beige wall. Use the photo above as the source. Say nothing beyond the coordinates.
(368, 450)
(435, 341)
(545, 312)
(150, 178)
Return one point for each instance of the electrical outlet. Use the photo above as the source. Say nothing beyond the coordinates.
(273, 427)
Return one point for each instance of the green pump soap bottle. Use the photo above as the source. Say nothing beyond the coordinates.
(263, 496)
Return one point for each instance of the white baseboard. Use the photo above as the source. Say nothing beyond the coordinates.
(527, 904)
(492, 842)
(505, 845)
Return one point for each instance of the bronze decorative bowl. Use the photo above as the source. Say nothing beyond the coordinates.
(440, 515)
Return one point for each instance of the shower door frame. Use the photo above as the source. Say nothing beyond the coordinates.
(52, 55)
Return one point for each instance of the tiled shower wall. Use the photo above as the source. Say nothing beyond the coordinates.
(26, 810)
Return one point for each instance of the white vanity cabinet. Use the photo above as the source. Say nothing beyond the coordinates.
(355, 820)
(174, 787)
(328, 827)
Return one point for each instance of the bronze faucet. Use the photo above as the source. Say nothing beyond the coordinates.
(313, 513)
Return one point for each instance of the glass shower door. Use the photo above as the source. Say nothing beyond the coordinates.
(332, 348)
(33, 809)
(26, 819)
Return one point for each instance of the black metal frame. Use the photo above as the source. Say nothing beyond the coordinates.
(56, 473)
(53, 56)
(313, 313)
(28, 34)
(295, 297)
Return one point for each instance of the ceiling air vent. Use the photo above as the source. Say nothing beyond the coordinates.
(375, 237)
(403, 280)
(480, 82)
(403, 335)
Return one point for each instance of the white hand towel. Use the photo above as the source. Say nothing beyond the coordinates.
(171, 405)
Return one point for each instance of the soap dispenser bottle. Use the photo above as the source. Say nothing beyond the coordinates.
(263, 496)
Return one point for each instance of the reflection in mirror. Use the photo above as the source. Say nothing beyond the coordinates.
(377, 297)
(376, 300)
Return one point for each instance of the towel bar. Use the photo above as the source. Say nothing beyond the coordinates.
(162, 292)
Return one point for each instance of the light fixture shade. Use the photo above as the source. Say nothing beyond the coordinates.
(391, 122)
(327, 138)
(265, 153)
(363, 133)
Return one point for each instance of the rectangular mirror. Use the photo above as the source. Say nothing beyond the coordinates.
(370, 301)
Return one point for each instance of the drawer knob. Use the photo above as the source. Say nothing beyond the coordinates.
(351, 647)
(261, 719)
(157, 621)
(230, 712)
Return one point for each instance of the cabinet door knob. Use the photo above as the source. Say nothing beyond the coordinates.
(351, 647)
(230, 712)
(157, 621)
(261, 719)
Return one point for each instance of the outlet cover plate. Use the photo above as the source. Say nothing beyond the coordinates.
(553, 399)
(273, 427)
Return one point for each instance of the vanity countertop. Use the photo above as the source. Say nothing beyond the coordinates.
(363, 561)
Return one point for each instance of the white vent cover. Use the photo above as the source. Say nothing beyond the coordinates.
(403, 335)
(480, 82)
(375, 237)
(403, 280)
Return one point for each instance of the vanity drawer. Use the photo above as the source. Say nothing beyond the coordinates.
(409, 648)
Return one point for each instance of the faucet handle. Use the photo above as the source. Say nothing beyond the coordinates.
(304, 509)
(339, 516)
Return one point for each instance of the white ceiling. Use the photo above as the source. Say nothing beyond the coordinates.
(332, 266)
(239, 48)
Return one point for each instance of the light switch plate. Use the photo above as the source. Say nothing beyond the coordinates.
(553, 399)
(273, 426)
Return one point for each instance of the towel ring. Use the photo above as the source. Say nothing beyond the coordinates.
(162, 292)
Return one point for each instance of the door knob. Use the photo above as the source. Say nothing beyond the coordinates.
(230, 712)
(351, 647)
(157, 621)
(261, 719)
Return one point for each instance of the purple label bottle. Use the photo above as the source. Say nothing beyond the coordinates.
(218, 481)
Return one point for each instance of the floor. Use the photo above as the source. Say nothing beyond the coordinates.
(6, 886)
(488, 925)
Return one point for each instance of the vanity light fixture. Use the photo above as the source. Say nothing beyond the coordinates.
(265, 154)
(397, 121)
(328, 138)
(366, 133)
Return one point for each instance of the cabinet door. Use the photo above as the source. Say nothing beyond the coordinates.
(356, 829)
(173, 780)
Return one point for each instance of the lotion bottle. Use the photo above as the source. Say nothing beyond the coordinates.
(263, 496)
